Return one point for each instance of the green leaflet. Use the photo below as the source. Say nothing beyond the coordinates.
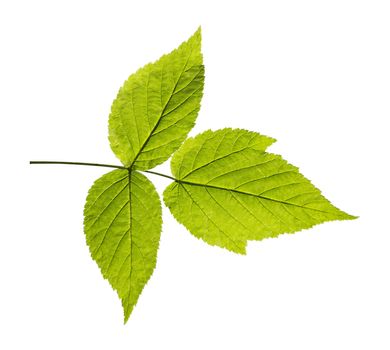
(157, 107)
(229, 190)
(122, 224)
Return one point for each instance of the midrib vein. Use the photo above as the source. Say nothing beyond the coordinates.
(162, 112)
(253, 195)
(131, 238)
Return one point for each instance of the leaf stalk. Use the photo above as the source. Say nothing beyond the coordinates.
(100, 165)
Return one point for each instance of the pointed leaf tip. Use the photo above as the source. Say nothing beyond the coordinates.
(157, 106)
(230, 190)
(122, 225)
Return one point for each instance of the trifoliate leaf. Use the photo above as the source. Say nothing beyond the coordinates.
(229, 190)
(122, 224)
(157, 107)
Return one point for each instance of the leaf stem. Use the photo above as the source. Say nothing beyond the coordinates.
(76, 163)
(101, 165)
(159, 174)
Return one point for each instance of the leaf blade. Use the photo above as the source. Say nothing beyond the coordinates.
(157, 107)
(233, 191)
(122, 225)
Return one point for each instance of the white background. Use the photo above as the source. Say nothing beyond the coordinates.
(313, 74)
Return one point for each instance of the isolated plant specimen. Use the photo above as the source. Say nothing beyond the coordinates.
(226, 189)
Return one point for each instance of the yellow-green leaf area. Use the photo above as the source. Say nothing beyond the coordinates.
(157, 107)
(229, 190)
(122, 225)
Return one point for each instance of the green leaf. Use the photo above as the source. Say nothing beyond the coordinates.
(229, 190)
(122, 224)
(157, 107)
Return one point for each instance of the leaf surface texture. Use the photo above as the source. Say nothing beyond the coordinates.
(122, 224)
(229, 190)
(157, 107)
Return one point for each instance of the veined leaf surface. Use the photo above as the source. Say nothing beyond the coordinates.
(157, 107)
(229, 190)
(122, 224)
